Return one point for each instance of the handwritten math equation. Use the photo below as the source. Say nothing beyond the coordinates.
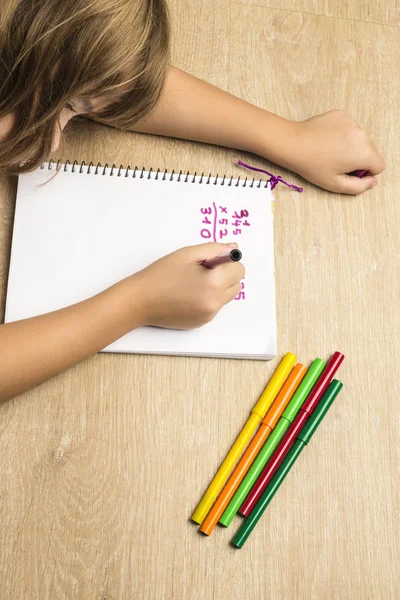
(217, 224)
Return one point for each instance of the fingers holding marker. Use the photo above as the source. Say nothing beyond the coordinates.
(235, 272)
(232, 293)
(375, 162)
(353, 185)
(226, 276)
(226, 272)
(232, 255)
(209, 250)
(372, 164)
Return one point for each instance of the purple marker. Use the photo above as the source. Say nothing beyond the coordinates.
(232, 256)
(359, 173)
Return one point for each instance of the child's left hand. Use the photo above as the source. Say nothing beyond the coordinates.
(324, 149)
(327, 148)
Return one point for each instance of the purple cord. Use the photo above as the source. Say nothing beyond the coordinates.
(275, 179)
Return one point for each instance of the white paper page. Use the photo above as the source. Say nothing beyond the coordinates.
(80, 233)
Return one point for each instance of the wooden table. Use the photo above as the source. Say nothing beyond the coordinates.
(102, 467)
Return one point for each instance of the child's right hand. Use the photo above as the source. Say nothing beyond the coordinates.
(178, 292)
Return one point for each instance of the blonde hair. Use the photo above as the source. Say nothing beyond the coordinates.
(52, 52)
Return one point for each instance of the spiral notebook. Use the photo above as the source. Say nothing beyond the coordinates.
(91, 226)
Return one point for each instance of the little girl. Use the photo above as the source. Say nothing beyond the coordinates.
(108, 60)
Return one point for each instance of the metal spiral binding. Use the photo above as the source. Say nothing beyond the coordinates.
(121, 171)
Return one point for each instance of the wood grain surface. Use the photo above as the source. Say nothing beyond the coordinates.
(369, 11)
(101, 468)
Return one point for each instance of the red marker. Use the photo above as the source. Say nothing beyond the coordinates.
(289, 438)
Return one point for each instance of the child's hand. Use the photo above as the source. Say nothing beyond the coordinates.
(329, 147)
(175, 291)
(178, 292)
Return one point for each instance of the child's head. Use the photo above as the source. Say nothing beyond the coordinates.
(58, 58)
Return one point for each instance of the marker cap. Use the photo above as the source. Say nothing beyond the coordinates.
(322, 408)
(285, 395)
(275, 383)
(304, 389)
(324, 380)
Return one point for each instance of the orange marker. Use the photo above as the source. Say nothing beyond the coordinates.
(267, 425)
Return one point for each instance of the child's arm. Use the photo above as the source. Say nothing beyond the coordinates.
(322, 149)
(174, 292)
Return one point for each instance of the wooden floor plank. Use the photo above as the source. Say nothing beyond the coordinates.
(102, 467)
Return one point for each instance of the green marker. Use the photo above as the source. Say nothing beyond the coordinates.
(302, 439)
(267, 450)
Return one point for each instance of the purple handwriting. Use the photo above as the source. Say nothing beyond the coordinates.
(219, 226)
(215, 226)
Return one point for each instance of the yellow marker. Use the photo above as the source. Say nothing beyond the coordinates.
(257, 414)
